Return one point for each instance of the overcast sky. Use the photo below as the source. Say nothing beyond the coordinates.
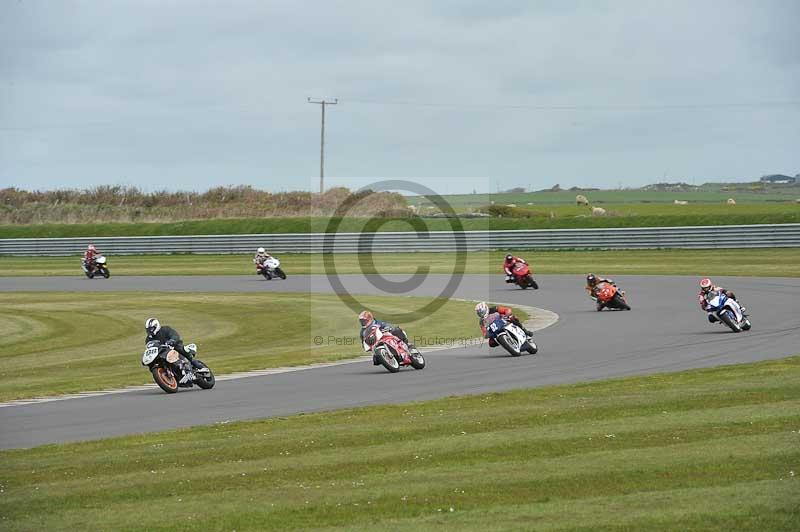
(459, 95)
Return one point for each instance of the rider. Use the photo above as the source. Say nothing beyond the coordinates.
(261, 256)
(591, 283)
(508, 266)
(367, 320)
(169, 336)
(484, 311)
(707, 286)
(90, 255)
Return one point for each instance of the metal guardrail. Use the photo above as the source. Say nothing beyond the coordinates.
(722, 236)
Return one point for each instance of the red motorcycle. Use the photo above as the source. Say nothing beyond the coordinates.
(391, 351)
(608, 296)
(523, 277)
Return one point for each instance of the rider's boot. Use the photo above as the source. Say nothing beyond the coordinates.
(712, 318)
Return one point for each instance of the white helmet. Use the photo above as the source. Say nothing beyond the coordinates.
(152, 326)
(261, 250)
(482, 310)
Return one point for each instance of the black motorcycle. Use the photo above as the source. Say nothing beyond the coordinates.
(169, 367)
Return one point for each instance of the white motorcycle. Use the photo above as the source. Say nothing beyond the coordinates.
(726, 310)
(100, 266)
(511, 337)
(270, 268)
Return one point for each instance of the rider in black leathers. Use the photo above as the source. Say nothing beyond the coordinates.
(169, 336)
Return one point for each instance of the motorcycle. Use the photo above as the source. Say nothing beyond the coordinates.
(523, 276)
(609, 296)
(168, 367)
(391, 351)
(726, 310)
(510, 336)
(270, 268)
(100, 265)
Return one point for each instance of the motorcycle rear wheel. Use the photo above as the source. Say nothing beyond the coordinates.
(387, 360)
(417, 361)
(503, 340)
(165, 379)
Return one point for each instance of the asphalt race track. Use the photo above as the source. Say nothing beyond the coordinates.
(665, 332)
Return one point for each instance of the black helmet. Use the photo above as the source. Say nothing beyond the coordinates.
(591, 280)
(509, 257)
(152, 326)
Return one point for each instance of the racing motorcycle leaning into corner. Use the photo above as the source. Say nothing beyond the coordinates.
(390, 350)
(172, 364)
(169, 367)
(519, 272)
(501, 327)
(722, 306)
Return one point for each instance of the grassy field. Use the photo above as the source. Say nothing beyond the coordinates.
(773, 193)
(713, 449)
(784, 262)
(543, 215)
(53, 343)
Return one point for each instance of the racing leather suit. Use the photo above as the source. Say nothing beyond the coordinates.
(506, 313)
(168, 335)
(508, 267)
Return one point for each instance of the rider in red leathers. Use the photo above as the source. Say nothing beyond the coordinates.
(508, 266)
(90, 255)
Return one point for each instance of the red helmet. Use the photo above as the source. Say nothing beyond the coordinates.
(366, 318)
(91, 247)
(706, 284)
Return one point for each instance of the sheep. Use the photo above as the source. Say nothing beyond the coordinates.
(731, 201)
(680, 202)
(598, 211)
(580, 199)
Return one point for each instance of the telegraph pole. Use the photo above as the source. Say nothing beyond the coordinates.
(322, 104)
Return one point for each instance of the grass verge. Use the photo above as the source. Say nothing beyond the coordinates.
(781, 262)
(713, 449)
(54, 343)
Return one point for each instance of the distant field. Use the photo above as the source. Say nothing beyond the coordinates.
(540, 216)
(771, 195)
(784, 262)
(713, 449)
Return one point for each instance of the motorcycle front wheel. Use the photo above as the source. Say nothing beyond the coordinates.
(387, 359)
(106, 273)
(725, 316)
(280, 273)
(165, 379)
(504, 341)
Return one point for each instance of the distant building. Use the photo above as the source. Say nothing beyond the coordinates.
(780, 179)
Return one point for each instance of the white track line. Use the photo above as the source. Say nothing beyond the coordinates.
(538, 319)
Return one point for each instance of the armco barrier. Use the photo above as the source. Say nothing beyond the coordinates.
(709, 237)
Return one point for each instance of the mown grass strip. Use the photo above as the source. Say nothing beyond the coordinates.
(55, 343)
(780, 262)
(712, 449)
